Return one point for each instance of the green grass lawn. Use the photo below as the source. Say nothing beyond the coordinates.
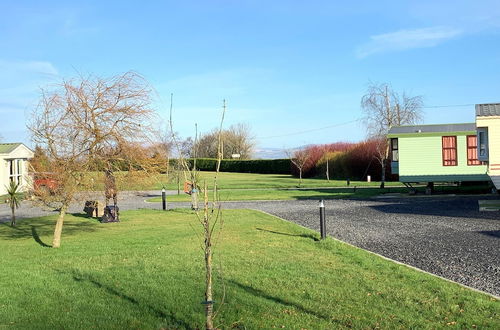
(5, 198)
(147, 273)
(229, 180)
(318, 193)
(288, 194)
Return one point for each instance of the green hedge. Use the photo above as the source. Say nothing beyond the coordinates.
(261, 166)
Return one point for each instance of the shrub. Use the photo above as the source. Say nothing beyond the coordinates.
(361, 161)
(315, 153)
(353, 161)
(336, 165)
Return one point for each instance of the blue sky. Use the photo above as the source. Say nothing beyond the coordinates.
(283, 66)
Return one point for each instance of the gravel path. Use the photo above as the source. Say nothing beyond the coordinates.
(446, 236)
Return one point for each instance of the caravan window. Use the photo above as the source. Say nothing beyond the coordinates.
(450, 151)
(482, 143)
(472, 151)
(395, 150)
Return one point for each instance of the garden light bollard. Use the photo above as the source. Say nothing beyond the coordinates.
(322, 223)
(164, 199)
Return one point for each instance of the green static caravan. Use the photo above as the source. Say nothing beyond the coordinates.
(436, 153)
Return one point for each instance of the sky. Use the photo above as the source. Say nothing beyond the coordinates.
(294, 71)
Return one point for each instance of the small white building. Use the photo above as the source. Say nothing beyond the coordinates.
(14, 166)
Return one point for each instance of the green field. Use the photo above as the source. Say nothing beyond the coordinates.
(147, 273)
(288, 194)
(228, 180)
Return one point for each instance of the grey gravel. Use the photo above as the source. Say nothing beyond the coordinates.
(446, 236)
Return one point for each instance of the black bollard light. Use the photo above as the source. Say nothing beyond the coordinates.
(164, 199)
(322, 222)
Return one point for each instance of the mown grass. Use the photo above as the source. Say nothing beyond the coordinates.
(5, 198)
(320, 193)
(146, 272)
(288, 194)
(232, 181)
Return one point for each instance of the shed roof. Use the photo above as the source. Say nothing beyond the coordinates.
(442, 128)
(6, 148)
(490, 109)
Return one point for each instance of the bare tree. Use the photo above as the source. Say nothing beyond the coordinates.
(92, 123)
(210, 218)
(115, 114)
(53, 129)
(299, 158)
(384, 108)
(237, 139)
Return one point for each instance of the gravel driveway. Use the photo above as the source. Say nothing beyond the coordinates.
(446, 236)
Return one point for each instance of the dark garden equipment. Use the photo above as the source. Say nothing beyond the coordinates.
(111, 214)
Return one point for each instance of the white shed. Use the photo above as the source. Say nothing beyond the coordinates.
(14, 166)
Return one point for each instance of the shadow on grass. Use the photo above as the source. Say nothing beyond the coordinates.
(84, 216)
(37, 239)
(261, 294)
(36, 228)
(86, 278)
(309, 236)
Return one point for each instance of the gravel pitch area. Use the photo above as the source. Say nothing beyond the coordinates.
(446, 236)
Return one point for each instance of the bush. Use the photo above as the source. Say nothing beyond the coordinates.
(337, 168)
(353, 161)
(361, 161)
(315, 153)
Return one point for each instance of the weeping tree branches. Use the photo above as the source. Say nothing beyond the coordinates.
(90, 124)
(383, 108)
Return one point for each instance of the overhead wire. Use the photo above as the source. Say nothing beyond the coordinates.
(353, 121)
(448, 106)
(310, 130)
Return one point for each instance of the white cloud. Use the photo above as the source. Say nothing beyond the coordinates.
(407, 39)
(36, 67)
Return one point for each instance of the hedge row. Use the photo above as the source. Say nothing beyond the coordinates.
(261, 166)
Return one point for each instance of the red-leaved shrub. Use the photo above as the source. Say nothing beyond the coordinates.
(345, 160)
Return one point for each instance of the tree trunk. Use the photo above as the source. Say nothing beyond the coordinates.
(168, 169)
(208, 289)
(194, 199)
(382, 177)
(208, 265)
(178, 182)
(383, 163)
(300, 177)
(327, 172)
(13, 219)
(56, 242)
